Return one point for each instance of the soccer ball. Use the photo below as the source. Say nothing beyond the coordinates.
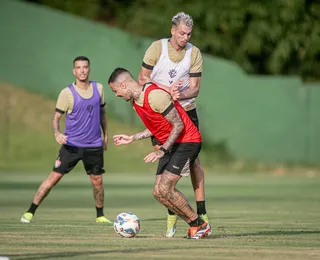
(126, 224)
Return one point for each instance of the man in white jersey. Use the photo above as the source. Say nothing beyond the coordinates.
(176, 65)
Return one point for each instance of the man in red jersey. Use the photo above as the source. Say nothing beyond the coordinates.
(180, 143)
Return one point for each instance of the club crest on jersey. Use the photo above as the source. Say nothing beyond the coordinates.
(90, 108)
(57, 163)
(172, 73)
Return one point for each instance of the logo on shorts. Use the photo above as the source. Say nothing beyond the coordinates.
(176, 167)
(57, 163)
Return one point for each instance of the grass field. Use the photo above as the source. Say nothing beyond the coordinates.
(254, 217)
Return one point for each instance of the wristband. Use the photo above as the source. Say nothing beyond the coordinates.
(163, 149)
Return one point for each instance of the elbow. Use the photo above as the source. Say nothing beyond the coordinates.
(196, 93)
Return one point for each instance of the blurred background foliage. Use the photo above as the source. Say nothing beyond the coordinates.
(275, 37)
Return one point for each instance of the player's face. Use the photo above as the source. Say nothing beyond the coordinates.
(120, 91)
(81, 70)
(181, 34)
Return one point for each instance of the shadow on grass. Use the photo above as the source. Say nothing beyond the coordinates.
(55, 255)
(265, 233)
(87, 253)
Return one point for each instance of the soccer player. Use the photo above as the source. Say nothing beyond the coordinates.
(83, 102)
(180, 143)
(176, 65)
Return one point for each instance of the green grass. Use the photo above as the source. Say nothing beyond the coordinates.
(254, 217)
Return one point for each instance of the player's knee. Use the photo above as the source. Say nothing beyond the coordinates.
(96, 180)
(156, 194)
(164, 191)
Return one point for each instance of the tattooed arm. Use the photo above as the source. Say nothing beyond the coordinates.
(104, 127)
(177, 127)
(128, 139)
(142, 135)
(174, 118)
(60, 138)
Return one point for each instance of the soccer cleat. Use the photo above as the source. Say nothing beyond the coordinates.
(199, 232)
(206, 219)
(103, 219)
(26, 217)
(171, 225)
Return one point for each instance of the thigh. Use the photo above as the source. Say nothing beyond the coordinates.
(67, 159)
(93, 160)
(182, 158)
(163, 162)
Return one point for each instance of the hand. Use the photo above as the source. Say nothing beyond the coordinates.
(122, 139)
(60, 138)
(152, 157)
(174, 90)
(105, 143)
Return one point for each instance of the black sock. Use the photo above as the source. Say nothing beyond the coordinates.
(170, 212)
(201, 207)
(99, 212)
(197, 222)
(33, 208)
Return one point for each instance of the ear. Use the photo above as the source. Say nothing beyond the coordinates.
(74, 72)
(123, 85)
(173, 31)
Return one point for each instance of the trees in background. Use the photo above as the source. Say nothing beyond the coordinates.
(278, 37)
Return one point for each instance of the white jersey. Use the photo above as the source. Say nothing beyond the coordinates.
(166, 72)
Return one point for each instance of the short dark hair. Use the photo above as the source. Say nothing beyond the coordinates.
(116, 73)
(81, 58)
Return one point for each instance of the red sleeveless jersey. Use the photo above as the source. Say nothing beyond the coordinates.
(160, 127)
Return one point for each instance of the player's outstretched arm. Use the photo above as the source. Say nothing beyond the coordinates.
(142, 135)
(128, 139)
(122, 139)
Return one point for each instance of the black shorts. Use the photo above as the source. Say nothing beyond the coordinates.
(194, 118)
(69, 156)
(179, 158)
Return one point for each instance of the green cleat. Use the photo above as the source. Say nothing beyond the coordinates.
(171, 225)
(103, 219)
(26, 217)
(206, 219)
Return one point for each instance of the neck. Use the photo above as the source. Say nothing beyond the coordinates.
(83, 84)
(136, 92)
(175, 45)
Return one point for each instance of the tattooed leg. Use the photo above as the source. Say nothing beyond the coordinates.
(172, 196)
(46, 186)
(158, 196)
(98, 189)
